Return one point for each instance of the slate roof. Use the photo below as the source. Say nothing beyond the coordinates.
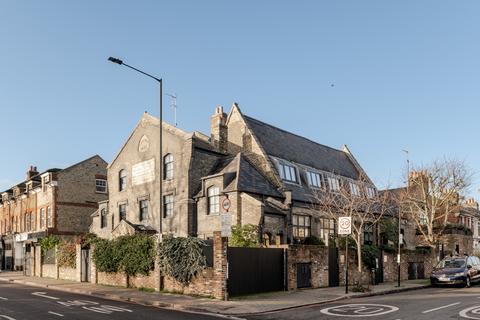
(242, 176)
(285, 145)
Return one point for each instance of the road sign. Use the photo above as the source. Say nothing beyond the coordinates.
(226, 219)
(345, 225)
(226, 203)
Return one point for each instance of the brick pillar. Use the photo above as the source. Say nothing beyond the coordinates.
(93, 267)
(156, 271)
(220, 266)
(57, 268)
(78, 263)
(38, 261)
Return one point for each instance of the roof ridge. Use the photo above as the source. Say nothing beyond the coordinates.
(293, 134)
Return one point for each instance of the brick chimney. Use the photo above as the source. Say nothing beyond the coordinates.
(218, 129)
(32, 171)
(472, 203)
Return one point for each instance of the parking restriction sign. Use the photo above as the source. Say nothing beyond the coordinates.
(345, 225)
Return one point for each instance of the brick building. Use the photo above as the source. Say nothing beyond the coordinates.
(268, 175)
(56, 201)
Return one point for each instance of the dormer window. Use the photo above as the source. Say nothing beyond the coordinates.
(287, 172)
(371, 193)
(45, 182)
(354, 189)
(213, 194)
(333, 183)
(314, 179)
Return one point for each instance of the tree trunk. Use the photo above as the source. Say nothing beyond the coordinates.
(359, 254)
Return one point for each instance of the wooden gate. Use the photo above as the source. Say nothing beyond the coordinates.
(333, 268)
(85, 265)
(256, 270)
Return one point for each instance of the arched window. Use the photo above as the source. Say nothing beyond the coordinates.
(122, 180)
(103, 218)
(213, 200)
(168, 167)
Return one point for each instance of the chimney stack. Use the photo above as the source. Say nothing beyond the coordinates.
(32, 171)
(218, 129)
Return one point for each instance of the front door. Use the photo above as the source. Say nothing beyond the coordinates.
(304, 275)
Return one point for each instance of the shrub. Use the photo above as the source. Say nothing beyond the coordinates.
(105, 256)
(67, 255)
(48, 243)
(369, 256)
(245, 236)
(182, 258)
(134, 254)
(314, 241)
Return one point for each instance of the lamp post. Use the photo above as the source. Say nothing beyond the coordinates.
(160, 82)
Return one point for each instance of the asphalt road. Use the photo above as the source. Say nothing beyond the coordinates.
(432, 303)
(23, 302)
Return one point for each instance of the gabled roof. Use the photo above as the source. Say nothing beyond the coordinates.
(286, 145)
(242, 176)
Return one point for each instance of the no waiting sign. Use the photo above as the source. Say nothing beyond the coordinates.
(344, 225)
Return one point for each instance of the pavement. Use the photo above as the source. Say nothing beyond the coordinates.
(240, 306)
(428, 304)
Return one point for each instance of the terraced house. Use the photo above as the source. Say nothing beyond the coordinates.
(55, 201)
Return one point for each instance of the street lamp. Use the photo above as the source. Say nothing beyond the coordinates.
(160, 82)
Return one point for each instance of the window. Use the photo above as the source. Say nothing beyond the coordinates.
(368, 234)
(301, 226)
(423, 217)
(213, 200)
(42, 218)
(122, 212)
(354, 189)
(101, 185)
(122, 180)
(45, 182)
(371, 192)
(314, 179)
(327, 229)
(287, 172)
(333, 183)
(103, 218)
(143, 205)
(27, 222)
(168, 167)
(49, 217)
(168, 206)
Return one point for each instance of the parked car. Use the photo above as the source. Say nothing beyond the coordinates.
(456, 270)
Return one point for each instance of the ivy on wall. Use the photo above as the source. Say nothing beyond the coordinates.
(67, 255)
(182, 258)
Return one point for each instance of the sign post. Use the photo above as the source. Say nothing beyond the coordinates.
(345, 228)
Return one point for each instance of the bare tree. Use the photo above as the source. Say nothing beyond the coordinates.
(357, 199)
(433, 194)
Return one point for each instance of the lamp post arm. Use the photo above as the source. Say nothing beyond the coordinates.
(142, 72)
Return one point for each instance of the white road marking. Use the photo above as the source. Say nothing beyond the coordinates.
(442, 307)
(6, 317)
(474, 313)
(56, 314)
(44, 295)
(2, 298)
(359, 310)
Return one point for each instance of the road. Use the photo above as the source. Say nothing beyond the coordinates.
(20, 302)
(426, 304)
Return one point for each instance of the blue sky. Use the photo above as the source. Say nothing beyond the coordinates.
(405, 74)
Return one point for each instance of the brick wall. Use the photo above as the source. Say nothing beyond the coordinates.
(317, 256)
